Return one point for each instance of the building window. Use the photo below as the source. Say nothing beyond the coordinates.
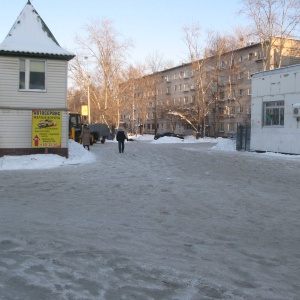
(273, 113)
(222, 64)
(222, 95)
(32, 75)
(259, 55)
(222, 80)
(232, 127)
(233, 78)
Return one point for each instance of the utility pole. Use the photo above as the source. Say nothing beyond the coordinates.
(88, 90)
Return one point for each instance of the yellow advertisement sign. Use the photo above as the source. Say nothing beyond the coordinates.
(46, 128)
(84, 110)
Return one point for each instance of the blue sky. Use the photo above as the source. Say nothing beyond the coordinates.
(152, 25)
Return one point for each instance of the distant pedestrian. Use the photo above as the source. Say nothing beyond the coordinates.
(85, 137)
(121, 136)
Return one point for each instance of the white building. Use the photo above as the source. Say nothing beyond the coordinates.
(33, 77)
(275, 106)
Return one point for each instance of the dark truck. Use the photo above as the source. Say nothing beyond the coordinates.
(97, 131)
(101, 130)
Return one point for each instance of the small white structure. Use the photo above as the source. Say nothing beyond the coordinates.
(275, 111)
(33, 78)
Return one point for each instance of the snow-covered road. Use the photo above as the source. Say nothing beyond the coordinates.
(160, 221)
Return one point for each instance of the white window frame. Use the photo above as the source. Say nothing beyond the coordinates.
(27, 75)
(273, 113)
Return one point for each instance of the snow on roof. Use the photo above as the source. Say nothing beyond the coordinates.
(30, 34)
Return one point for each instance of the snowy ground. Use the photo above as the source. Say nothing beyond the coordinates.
(165, 220)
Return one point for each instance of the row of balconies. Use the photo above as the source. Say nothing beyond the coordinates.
(185, 90)
(259, 58)
(168, 79)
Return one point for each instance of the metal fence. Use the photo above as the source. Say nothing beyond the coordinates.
(243, 137)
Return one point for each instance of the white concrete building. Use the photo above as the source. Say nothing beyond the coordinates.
(275, 106)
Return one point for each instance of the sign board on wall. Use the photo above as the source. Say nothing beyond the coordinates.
(46, 128)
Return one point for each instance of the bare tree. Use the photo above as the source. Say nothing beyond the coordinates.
(198, 55)
(107, 52)
(80, 83)
(240, 37)
(132, 90)
(233, 70)
(214, 65)
(75, 99)
(155, 63)
(274, 23)
(219, 58)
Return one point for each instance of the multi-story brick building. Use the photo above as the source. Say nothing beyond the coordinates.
(214, 95)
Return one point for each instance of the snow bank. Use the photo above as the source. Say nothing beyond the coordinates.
(225, 145)
(77, 155)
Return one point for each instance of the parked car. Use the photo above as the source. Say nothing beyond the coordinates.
(171, 134)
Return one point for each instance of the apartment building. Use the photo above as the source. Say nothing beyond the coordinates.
(214, 94)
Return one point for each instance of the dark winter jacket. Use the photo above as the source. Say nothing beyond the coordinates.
(121, 135)
(85, 136)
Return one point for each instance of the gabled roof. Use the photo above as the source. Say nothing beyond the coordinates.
(30, 36)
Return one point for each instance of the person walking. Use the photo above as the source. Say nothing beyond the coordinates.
(85, 137)
(121, 136)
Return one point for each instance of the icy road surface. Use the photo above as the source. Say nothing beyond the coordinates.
(160, 221)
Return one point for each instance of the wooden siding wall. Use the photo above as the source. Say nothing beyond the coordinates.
(16, 106)
(56, 86)
(16, 129)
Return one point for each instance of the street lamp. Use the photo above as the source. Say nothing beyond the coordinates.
(133, 117)
(88, 91)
